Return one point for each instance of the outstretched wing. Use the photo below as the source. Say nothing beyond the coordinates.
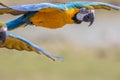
(21, 9)
(19, 43)
(95, 5)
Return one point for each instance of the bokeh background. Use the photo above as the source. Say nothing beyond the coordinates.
(90, 53)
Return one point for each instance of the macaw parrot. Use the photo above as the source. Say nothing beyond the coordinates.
(47, 15)
(55, 15)
(12, 41)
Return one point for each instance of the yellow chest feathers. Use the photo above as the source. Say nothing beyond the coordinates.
(53, 18)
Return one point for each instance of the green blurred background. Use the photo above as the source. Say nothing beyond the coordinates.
(90, 53)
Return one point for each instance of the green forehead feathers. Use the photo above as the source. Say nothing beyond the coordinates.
(88, 7)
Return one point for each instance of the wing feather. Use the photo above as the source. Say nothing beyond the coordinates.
(19, 43)
(21, 9)
(96, 5)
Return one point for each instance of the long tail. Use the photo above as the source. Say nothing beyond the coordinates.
(16, 23)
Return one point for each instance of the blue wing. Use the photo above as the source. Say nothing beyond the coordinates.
(36, 7)
(16, 42)
(21, 9)
(80, 4)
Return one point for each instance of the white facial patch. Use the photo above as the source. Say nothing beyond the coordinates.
(81, 14)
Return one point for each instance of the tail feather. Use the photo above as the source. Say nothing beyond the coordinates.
(15, 23)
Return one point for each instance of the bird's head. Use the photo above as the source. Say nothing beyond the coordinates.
(86, 15)
(3, 36)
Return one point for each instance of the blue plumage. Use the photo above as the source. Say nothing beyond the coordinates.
(29, 10)
(68, 10)
(35, 46)
(24, 19)
(36, 7)
(17, 22)
(78, 4)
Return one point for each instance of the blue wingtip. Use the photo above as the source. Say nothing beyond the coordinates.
(51, 56)
(58, 58)
(47, 53)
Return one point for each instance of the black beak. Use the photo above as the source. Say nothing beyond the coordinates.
(89, 18)
(3, 38)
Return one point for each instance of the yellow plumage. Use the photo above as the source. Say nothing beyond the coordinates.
(102, 7)
(53, 18)
(13, 43)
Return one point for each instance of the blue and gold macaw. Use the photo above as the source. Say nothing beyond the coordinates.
(47, 15)
(12, 41)
(53, 16)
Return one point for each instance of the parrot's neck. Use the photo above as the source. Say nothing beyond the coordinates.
(70, 14)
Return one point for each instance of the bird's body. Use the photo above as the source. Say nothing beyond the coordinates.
(53, 18)
(46, 15)
(49, 18)
(50, 15)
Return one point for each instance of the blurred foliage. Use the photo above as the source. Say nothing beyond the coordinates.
(81, 63)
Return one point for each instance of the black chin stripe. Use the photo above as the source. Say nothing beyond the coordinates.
(75, 19)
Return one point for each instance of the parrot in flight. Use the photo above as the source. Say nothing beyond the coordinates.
(54, 15)
(48, 15)
(12, 41)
